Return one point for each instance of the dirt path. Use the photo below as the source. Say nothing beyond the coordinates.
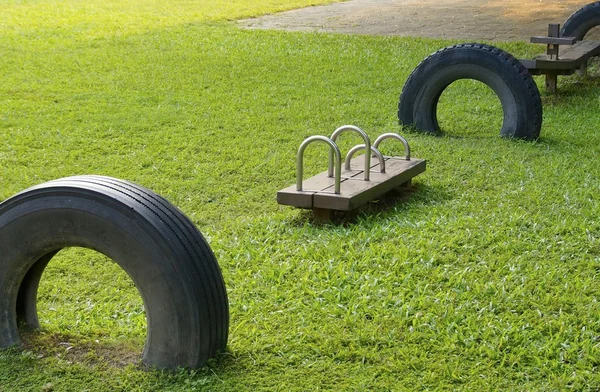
(492, 20)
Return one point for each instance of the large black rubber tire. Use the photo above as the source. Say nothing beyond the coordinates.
(505, 75)
(165, 255)
(581, 21)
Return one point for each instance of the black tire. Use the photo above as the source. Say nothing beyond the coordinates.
(581, 21)
(505, 75)
(165, 255)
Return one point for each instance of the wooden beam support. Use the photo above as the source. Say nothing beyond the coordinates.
(551, 82)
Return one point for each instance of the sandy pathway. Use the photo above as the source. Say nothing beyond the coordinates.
(493, 20)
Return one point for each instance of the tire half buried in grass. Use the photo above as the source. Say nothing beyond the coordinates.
(581, 21)
(499, 70)
(161, 250)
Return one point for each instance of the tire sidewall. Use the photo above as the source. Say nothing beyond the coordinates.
(168, 260)
(582, 21)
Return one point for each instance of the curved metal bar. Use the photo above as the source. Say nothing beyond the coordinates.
(359, 147)
(365, 137)
(333, 150)
(394, 136)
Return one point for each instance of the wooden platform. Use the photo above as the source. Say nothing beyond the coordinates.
(559, 60)
(571, 59)
(318, 191)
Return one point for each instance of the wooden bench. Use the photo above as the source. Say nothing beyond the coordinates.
(561, 61)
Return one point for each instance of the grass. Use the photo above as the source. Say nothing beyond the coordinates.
(483, 277)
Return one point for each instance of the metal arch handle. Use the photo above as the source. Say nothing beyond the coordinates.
(394, 136)
(365, 137)
(333, 150)
(359, 147)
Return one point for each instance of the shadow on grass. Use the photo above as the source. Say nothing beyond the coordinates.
(93, 353)
(391, 203)
(572, 87)
(83, 350)
(452, 134)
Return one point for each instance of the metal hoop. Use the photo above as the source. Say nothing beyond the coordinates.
(394, 136)
(359, 147)
(333, 150)
(365, 137)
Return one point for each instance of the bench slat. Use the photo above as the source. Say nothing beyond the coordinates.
(553, 40)
(582, 50)
(570, 59)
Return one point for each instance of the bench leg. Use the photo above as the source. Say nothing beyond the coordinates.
(582, 70)
(322, 215)
(551, 81)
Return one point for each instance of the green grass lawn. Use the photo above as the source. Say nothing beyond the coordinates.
(483, 277)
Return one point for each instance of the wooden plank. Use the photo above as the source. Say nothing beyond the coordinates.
(537, 71)
(318, 191)
(553, 40)
(571, 59)
(544, 62)
(542, 65)
(536, 68)
(291, 197)
(356, 191)
(304, 198)
(529, 64)
(352, 172)
(582, 50)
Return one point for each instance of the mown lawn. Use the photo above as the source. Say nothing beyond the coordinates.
(483, 277)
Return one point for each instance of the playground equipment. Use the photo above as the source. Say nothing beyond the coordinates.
(498, 69)
(163, 252)
(508, 77)
(575, 57)
(360, 180)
